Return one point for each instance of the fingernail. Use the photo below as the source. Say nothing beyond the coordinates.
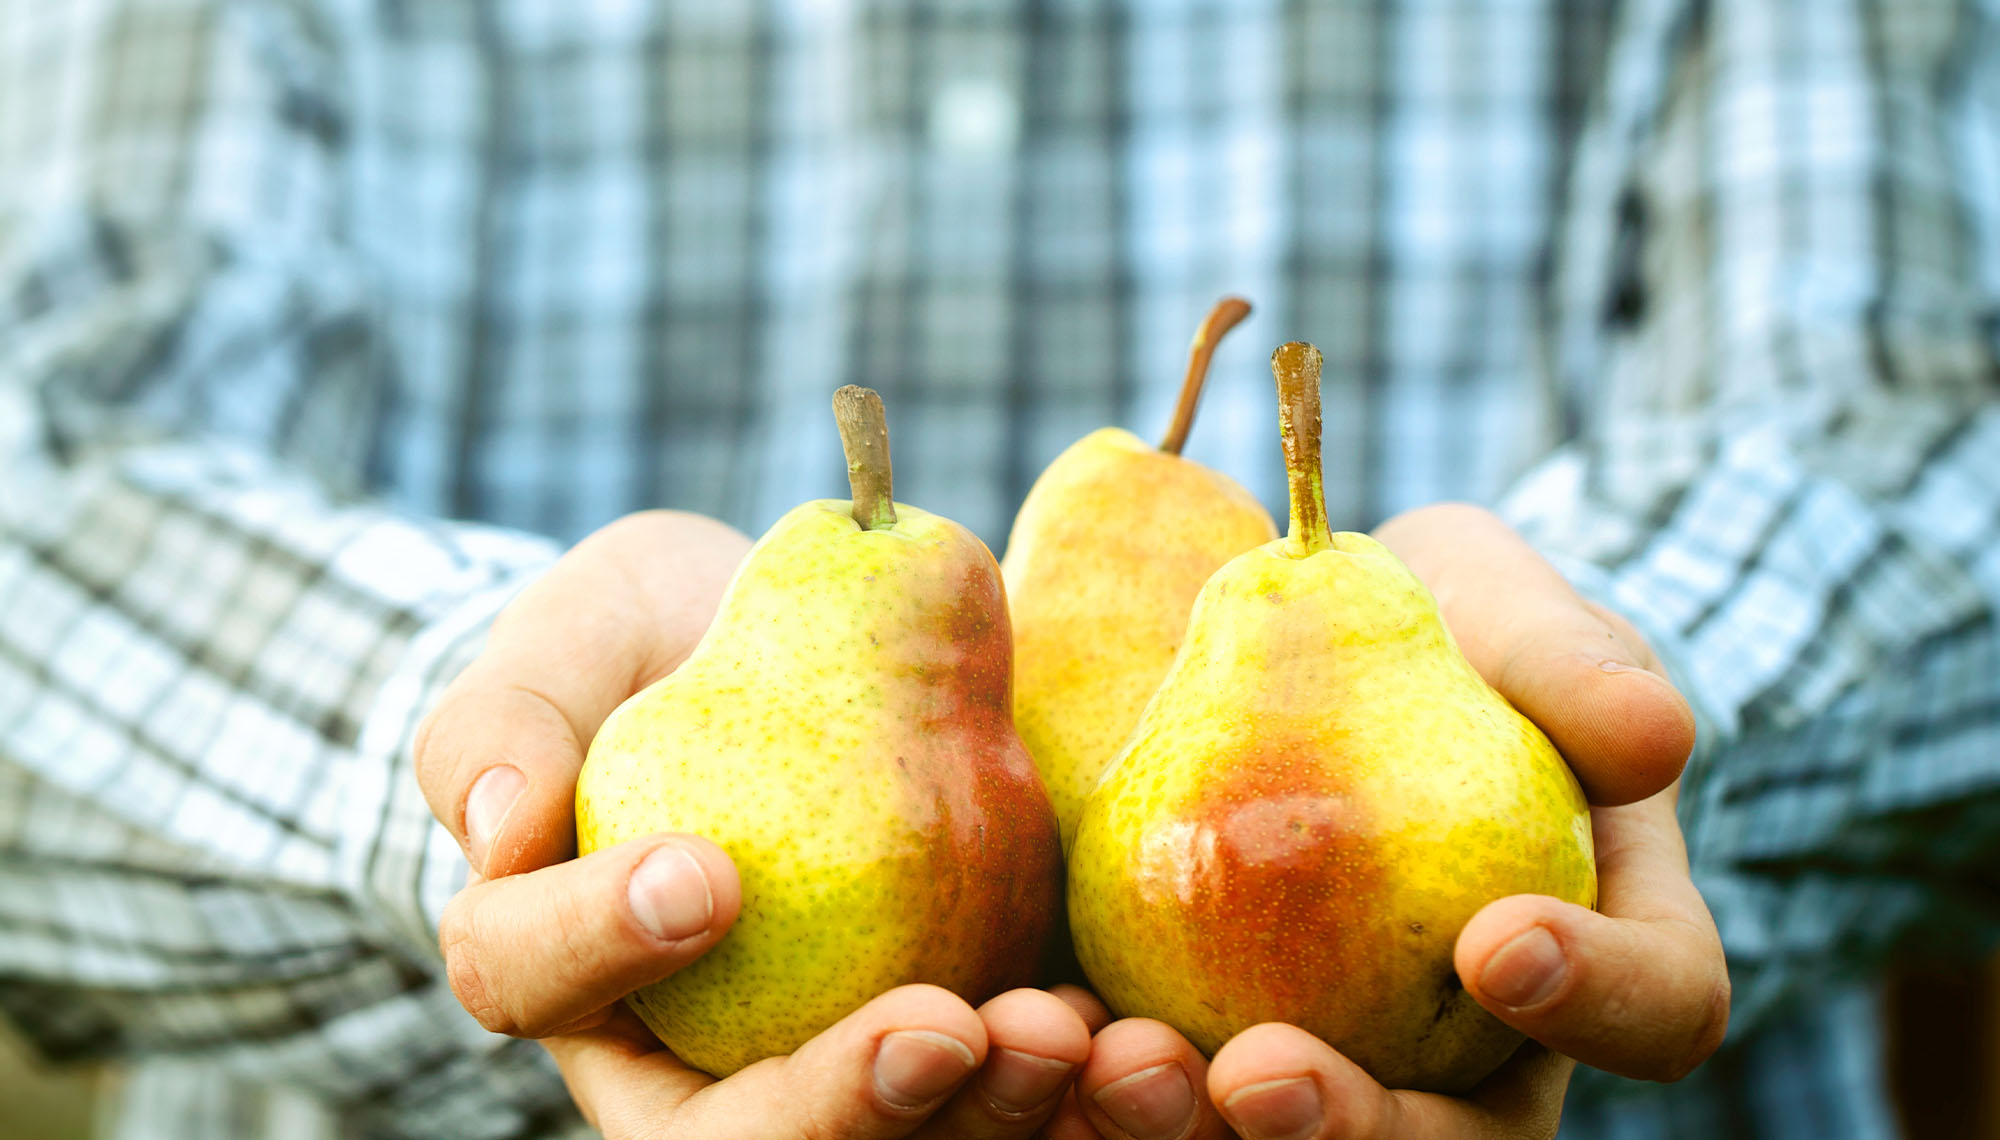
(1525, 971)
(1619, 667)
(486, 808)
(1289, 1109)
(915, 1067)
(1018, 1083)
(1151, 1104)
(669, 895)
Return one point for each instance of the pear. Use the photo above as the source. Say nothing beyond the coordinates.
(844, 731)
(1320, 795)
(1106, 556)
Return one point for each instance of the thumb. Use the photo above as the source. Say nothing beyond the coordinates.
(1583, 674)
(497, 757)
(1640, 989)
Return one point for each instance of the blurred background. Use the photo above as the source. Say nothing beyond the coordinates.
(532, 264)
(40, 1103)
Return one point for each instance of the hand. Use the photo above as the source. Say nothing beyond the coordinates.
(542, 944)
(1637, 987)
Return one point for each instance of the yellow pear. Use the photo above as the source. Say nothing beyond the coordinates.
(1318, 798)
(1111, 546)
(844, 731)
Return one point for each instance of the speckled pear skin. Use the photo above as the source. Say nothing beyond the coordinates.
(1319, 797)
(1106, 556)
(844, 732)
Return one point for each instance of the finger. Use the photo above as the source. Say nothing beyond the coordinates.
(1086, 1004)
(1640, 988)
(1278, 1081)
(597, 1064)
(1580, 672)
(1069, 1122)
(497, 757)
(533, 954)
(1035, 1044)
(1143, 1082)
(880, 1073)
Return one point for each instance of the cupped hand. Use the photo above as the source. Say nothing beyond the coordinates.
(1637, 987)
(543, 944)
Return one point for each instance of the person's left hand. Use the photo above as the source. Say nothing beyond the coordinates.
(1637, 987)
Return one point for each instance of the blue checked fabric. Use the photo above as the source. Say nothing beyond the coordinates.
(324, 323)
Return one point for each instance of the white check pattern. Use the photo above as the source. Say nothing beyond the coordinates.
(1706, 290)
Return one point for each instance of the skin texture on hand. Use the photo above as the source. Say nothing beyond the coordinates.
(545, 947)
(1637, 987)
(543, 944)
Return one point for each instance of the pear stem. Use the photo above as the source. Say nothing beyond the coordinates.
(1297, 365)
(1227, 314)
(864, 437)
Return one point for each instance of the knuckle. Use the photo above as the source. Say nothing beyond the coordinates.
(629, 1122)
(510, 615)
(436, 749)
(424, 747)
(582, 942)
(1709, 1032)
(1449, 511)
(812, 1115)
(814, 1125)
(465, 971)
(581, 1023)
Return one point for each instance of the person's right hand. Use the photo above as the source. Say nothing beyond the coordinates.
(542, 944)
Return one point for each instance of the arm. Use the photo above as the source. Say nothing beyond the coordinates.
(1774, 316)
(211, 660)
(213, 665)
(1777, 291)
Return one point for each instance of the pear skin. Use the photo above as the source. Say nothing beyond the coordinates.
(1106, 556)
(1319, 797)
(844, 731)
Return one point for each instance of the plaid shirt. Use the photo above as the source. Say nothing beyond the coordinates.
(1706, 290)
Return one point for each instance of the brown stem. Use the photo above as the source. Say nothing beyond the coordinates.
(1226, 315)
(864, 437)
(1296, 365)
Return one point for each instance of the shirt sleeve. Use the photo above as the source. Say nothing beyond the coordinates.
(213, 654)
(1774, 319)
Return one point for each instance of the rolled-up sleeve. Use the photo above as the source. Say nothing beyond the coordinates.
(213, 650)
(1774, 321)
